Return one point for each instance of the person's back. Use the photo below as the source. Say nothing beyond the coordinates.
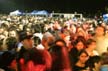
(7, 61)
(60, 59)
(36, 60)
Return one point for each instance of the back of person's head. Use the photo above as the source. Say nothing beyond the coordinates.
(38, 58)
(104, 58)
(60, 42)
(48, 40)
(60, 58)
(93, 61)
(37, 40)
(11, 43)
(46, 35)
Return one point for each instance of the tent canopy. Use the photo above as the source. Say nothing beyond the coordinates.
(105, 18)
(17, 12)
(36, 12)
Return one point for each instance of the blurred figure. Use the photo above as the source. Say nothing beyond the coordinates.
(12, 33)
(1, 45)
(78, 45)
(60, 59)
(80, 32)
(36, 60)
(101, 40)
(104, 66)
(60, 42)
(94, 63)
(8, 62)
(26, 43)
(1, 30)
(80, 65)
(47, 40)
(37, 41)
(11, 43)
(91, 45)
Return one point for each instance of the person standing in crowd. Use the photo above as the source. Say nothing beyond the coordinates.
(78, 45)
(80, 64)
(101, 40)
(27, 43)
(91, 45)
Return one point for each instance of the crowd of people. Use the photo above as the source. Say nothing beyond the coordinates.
(31, 43)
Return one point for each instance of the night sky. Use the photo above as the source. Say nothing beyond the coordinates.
(67, 6)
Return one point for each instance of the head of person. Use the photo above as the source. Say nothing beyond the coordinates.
(104, 66)
(26, 38)
(83, 56)
(100, 30)
(104, 58)
(37, 40)
(20, 26)
(91, 44)
(36, 60)
(94, 62)
(60, 58)
(47, 40)
(79, 43)
(11, 43)
(60, 42)
(12, 33)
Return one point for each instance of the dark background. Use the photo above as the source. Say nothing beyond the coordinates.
(63, 6)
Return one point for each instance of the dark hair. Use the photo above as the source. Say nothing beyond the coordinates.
(1, 43)
(89, 41)
(11, 43)
(82, 51)
(104, 58)
(79, 39)
(35, 55)
(61, 40)
(60, 58)
(6, 58)
(92, 60)
(24, 35)
(38, 57)
(37, 40)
